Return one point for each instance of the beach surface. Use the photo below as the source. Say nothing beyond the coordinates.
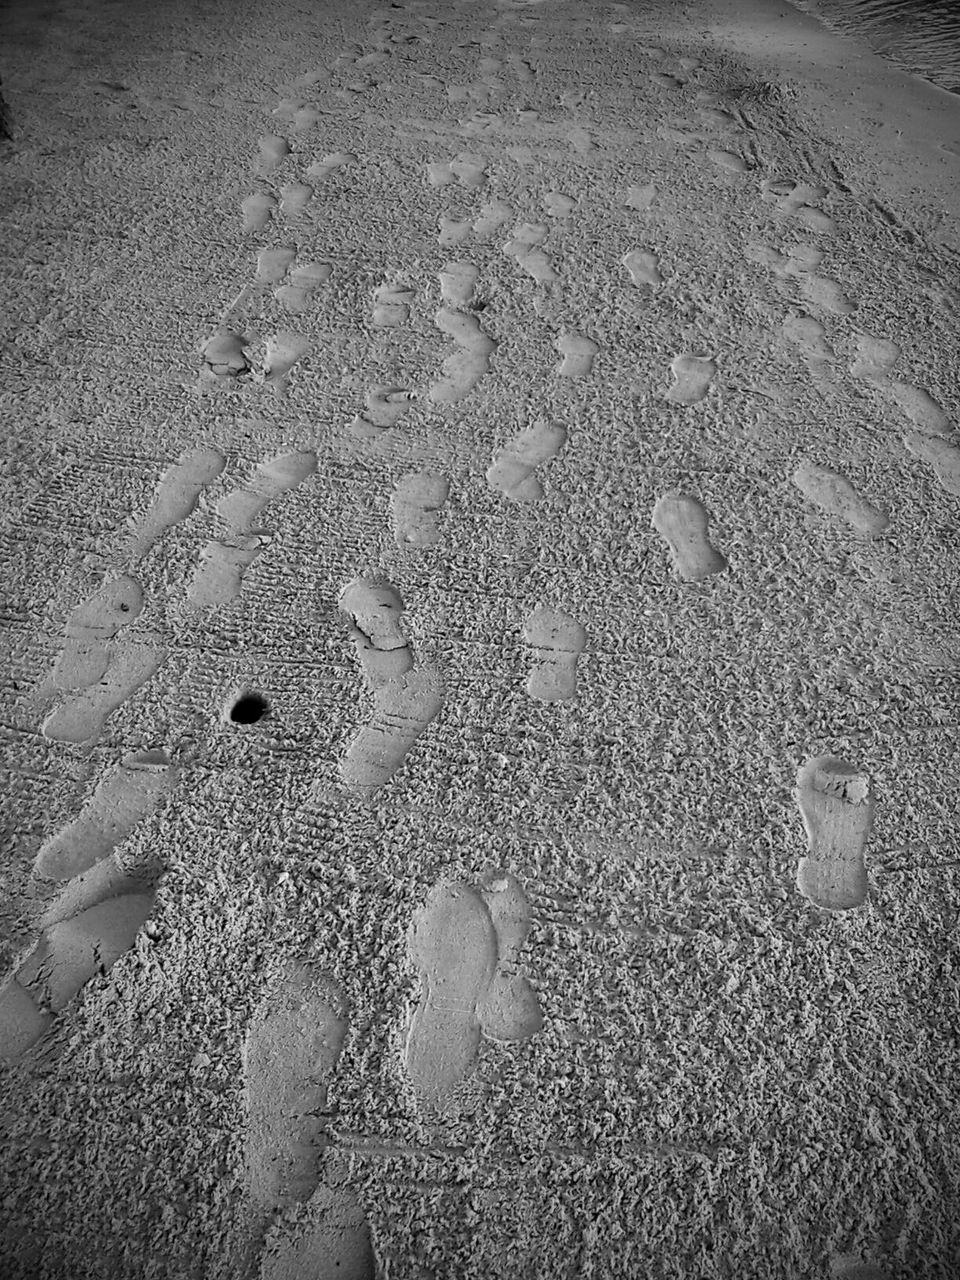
(478, 500)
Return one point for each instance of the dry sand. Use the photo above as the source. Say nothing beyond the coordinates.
(480, 494)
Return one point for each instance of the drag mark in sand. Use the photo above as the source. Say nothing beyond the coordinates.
(463, 370)
(122, 800)
(219, 576)
(69, 954)
(578, 352)
(84, 658)
(512, 471)
(682, 521)
(402, 710)
(414, 504)
(523, 247)
(386, 404)
(83, 718)
(835, 495)
(176, 497)
(374, 607)
(289, 1054)
(557, 641)
(837, 810)
(692, 377)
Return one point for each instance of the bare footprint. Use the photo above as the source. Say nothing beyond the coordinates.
(835, 495)
(289, 1054)
(84, 658)
(374, 605)
(837, 810)
(83, 718)
(578, 353)
(176, 497)
(558, 640)
(414, 504)
(512, 471)
(453, 943)
(692, 377)
(682, 521)
(402, 710)
(122, 800)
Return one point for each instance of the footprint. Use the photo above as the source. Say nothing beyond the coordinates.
(797, 199)
(84, 658)
(294, 198)
(827, 294)
(875, 358)
(22, 1023)
(453, 943)
(809, 335)
(728, 160)
(644, 267)
(578, 353)
(509, 1010)
(512, 470)
(385, 406)
(83, 718)
(305, 119)
(468, 170)
(284, 350)
(289, 1054)
(850, 1267)
(273, 264)
(942, 456)
(835, 495)
(414, 505)
(641, 197)
(322, 169)
(523, 247)
(225, 355)
(272, 152)
(558, 641)
(176, 497)
(258, 209)
(68, 955)
(303, 281)
(682, 522)
(375, 606)
(402, 710)
(837, 810)
(218, 578)
(334, 1244)
(921, 409)
(457, 283)
(464, 369)
(692, 375)
(242, 507)
(494, 215)
(391, 307)
(118, 804)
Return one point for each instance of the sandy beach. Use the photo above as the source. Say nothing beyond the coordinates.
(479, 513)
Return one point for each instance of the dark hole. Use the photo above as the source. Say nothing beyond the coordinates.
(248, 709)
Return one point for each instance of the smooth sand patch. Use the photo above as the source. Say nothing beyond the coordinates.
(837, 808)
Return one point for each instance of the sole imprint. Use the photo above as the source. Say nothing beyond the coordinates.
(692, 377)
(558, 640)
(68, 955)
(289, 1054)
(116, 806)
(85, 657)
(682, 521)
(402, 710)
(644, 268)
(176, 497)
(509, 1010)
(414, 504)
(463, 370)
(272, 151)
(512, 470)
(284, 350)
(939, 454)
(453, 943)
(875, 358)
(83, 718)
(257, 209)
(921, 409)
(303, 282)
(578, 353)
(837, 810)
(386, 405)
(374, 607)
(835, 495)
(337, 1247)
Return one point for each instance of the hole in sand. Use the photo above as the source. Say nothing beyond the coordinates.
(249, 708)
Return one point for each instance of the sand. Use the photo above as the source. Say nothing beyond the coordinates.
(480, 493)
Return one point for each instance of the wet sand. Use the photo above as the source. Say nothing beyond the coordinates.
(479, 500)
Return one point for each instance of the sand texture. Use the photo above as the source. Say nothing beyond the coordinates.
(479, 495)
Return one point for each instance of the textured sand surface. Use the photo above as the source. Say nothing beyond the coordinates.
(479, 509)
